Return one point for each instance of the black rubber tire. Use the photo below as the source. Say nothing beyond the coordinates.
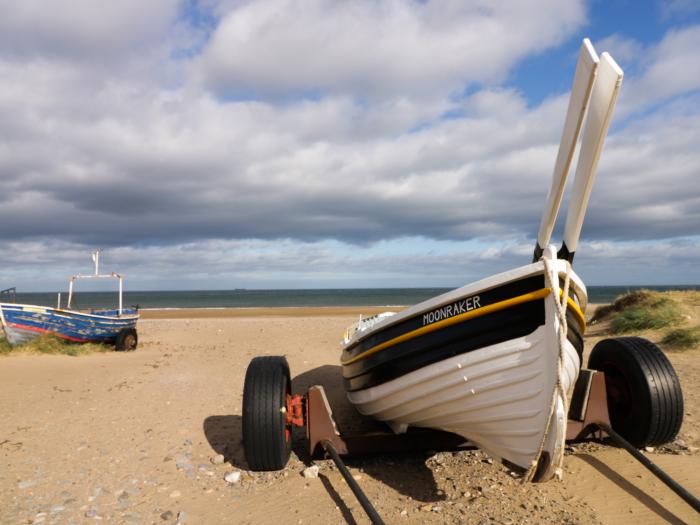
(267, 440)
(127, 340)
(645, 400)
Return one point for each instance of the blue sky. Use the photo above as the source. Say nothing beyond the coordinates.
(319, 143)
(646, 22)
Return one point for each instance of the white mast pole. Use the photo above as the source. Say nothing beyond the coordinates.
(603, 99)
(70, 292)
(580, 96)
(120, 294)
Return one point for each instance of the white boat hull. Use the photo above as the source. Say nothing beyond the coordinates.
(499, 397)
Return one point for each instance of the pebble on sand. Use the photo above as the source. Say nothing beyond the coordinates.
(233, 477)
(311, 472)
(26, 483)
(123, 500)
(168, 514)
(218, 459)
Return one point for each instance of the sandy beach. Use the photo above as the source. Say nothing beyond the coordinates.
(130, 438)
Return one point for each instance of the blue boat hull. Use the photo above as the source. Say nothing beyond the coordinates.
(24, 322)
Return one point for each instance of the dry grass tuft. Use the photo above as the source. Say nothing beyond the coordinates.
(682, 338)
(50, 344)
(640, 310)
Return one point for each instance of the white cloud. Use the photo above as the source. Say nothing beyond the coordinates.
(669, 69)
(91, 156)
(626, 50)
(45, 265)
(678, 9)
(83, 29)
(376, 49)
(179, 164)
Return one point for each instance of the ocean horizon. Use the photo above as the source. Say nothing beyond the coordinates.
(244, 298)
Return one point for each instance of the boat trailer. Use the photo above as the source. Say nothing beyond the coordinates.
(588, 416)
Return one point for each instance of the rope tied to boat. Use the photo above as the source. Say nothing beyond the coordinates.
(558, 392)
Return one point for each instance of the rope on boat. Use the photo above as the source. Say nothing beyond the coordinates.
(558, 391)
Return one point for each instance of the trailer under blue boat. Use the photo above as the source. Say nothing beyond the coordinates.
(24, 322)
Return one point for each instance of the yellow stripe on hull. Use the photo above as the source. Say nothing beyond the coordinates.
(485, 310)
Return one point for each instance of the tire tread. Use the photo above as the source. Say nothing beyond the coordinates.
(122, 335)
(654, 382)
(267, 382)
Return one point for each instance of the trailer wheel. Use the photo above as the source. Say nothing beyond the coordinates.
(267, 439)
(127, 340)
(645, 400)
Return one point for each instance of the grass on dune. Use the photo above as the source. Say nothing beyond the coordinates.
(5, 347)
(640, 310)
(682, 338)
(49, 344)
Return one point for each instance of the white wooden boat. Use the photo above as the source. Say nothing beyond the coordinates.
(495, 361)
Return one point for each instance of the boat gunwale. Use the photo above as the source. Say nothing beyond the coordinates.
(68, 313)
(460, 318)
(577, 288)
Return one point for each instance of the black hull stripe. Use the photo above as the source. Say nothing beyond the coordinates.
(486, 298)
(443, 344)
(491, 329)
(461, 317)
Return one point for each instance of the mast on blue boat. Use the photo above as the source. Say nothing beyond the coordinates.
(96, 275)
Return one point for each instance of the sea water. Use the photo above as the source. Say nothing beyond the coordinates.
(285, 298)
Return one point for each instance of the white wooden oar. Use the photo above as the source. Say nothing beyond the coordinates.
(603, 98)
(580, 95)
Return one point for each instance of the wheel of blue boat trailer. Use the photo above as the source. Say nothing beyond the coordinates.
(127, 340)
(267, 439)
(645, 400)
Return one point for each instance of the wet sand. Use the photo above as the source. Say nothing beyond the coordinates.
(306, 311)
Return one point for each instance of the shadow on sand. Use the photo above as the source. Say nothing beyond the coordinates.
(405, 473)
(225, 437)
(631, 489)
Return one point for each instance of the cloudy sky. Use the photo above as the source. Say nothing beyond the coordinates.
(353, 143)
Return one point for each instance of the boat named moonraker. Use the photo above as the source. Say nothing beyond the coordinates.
(495, 360)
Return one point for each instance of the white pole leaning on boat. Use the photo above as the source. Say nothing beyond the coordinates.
(120, 293)
(70, 292)
(603, 98)
(578, 101)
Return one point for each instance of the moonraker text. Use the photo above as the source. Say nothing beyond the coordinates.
(456, 308)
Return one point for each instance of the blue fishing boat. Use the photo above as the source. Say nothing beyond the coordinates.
(24, 322)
